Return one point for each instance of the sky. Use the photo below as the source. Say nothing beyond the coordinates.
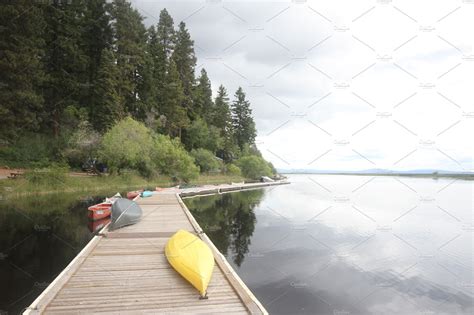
(343, 85)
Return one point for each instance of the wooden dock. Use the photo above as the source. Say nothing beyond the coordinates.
(126, 271)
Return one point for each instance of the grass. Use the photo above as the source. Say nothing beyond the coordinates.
(28, 185)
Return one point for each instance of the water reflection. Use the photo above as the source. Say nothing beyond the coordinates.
(358, 245)
(229, 220)
(97, 225)
(39, 236)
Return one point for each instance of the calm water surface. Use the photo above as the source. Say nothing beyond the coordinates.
(331, 244)
(39, 236)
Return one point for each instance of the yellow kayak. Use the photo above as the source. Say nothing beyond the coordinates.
(191, 258)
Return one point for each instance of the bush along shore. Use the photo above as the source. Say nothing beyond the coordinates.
(135, 157)
(116, 98)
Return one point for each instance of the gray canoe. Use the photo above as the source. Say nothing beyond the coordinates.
(124, 212)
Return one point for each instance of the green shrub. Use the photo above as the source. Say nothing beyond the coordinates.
(254, 167)
(200, 135)
(272, 168)
(128, 144)
(30, 150)
(131, 145)
(206, 160)
(234, 170)
(249, 149)
(171, 159)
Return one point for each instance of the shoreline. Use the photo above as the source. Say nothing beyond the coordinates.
(457, 176)
(11, 188)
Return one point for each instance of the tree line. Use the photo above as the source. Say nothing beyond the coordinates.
(71, 64)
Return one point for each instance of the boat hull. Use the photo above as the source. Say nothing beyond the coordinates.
(99, 211)
(97, 225)
(191, 258)
(124, 212)
(133, 194)
(146, 193)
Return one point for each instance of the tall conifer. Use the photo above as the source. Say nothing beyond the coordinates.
(242, 120)
(21, 50)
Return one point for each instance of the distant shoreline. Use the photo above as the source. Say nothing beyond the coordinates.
(431, 175)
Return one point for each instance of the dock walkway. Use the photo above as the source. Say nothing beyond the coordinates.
(125, 271)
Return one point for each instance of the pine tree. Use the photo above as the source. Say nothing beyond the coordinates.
(147, 85)
(130, 41)
(185, 59)
(96, 37)
(221, 117)
(150, 72)
(65, 60)
(203, 104)
(176, 118)
(161, 46)
(166, 33)
(21, 47)
(242, 121)
(107, 108)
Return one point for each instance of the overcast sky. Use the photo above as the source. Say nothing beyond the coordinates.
(342, 85)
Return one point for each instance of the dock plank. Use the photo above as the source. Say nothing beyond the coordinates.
(125, 271)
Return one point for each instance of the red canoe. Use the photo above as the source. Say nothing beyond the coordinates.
(95, 226)
(133, 194)
(99, 211)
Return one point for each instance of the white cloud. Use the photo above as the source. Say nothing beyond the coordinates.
(364, 84)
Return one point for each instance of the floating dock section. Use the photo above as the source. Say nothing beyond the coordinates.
(125, 271)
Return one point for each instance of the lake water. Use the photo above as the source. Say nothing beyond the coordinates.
(39, 236)
(326, 244)
(332, 244)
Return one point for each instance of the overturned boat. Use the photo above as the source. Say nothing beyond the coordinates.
(191, 258)
(146, 193)
(125, 212)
